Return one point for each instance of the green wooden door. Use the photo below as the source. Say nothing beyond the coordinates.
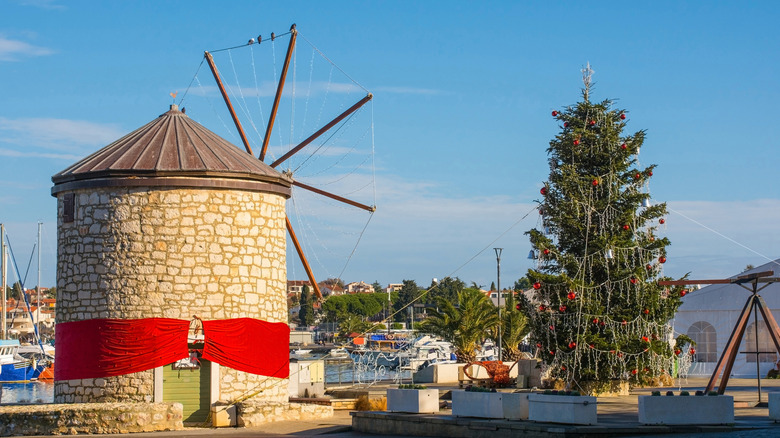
(191, 388)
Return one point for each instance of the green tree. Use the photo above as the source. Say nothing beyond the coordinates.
(492, 285)
(306, 314)
(598, 312)
(465, 326)
(522, 284)
(514, 326)
(377, 287)
(448, 288)
(352, 324)
(406, 295)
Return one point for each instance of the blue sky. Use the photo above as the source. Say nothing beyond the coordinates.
(461, 116)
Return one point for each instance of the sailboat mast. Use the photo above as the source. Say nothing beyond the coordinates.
(3, 334)
(38, 307)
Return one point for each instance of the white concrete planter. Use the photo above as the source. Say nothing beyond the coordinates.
(477, 404)
(569, 409)
(774, 406)
(515, 405)
(416, 401)
(686, 409)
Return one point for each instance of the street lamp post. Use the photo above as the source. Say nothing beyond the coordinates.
(498, 286)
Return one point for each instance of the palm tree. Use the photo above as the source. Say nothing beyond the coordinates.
(514, 327)
(465, 326)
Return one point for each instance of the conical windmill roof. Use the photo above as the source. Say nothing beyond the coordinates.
(172, 151)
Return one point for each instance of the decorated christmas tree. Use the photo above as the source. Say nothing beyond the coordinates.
(597, 313)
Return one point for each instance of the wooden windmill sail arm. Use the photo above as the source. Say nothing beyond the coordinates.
(368, 208)
(760, 277)
(279, 88)
(321, 131)
(305, 262)
(214, 71)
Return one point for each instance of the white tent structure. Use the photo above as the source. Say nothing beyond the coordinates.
(708, 316)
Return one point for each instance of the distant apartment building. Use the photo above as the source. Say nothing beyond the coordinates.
(360, 287)
(394, 287)
(296, 286)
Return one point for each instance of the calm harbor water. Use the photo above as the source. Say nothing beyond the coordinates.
(336, 374)
(27, 393)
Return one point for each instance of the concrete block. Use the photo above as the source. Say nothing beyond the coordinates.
(566, 409)
(223, 415)
(416, 401)
(686, 409)
(515, 405)
(477, 404)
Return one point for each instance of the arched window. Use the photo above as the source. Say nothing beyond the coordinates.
(766, 347)
(703, 333)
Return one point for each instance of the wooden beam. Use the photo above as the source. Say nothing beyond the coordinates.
(305, 262)
(279, 88)
(214, 71)
(336, 197)
(730, 351)
(322, 130)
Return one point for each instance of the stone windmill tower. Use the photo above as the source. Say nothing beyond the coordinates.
(171, 271)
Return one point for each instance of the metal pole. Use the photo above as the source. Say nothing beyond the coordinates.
(38, 308)
(388, 310)
(4, 259)
(498, 286)
(758, 354)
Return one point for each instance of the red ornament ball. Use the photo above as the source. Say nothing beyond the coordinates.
(646, 311)
(649, 267)
(571, 295)
(649, 173)
(677, 351)
(546, 251)
(622, 117)
(693, 351)
(592, 122)
(554, 113)
(543, 191)
(595, 320)
(634, 371)
(662, 259)
(552, 327)
(595, 182)
(538, 345)
(626, 226)
(537, 285)
(602, 323)
(572, 344)
(623, 146)
(683, 292)
(662, 221)
(576, 142)
(633, 280)
(517, 306)
(645, 339)
(562, 308)
(565, 124)
(591, 346)
(542, 308)
(624, 322)
(552, 353)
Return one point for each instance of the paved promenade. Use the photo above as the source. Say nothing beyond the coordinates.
(617, 416)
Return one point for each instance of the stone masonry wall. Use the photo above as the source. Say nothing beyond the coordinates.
(137, 253)
(91, 418)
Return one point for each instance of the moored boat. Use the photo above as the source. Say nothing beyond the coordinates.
(15, 368)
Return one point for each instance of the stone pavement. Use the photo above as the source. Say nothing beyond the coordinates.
(617, 416)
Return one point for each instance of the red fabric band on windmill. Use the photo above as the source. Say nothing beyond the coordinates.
(110, 347)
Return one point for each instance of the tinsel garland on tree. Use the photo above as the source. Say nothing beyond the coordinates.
(597, 312)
